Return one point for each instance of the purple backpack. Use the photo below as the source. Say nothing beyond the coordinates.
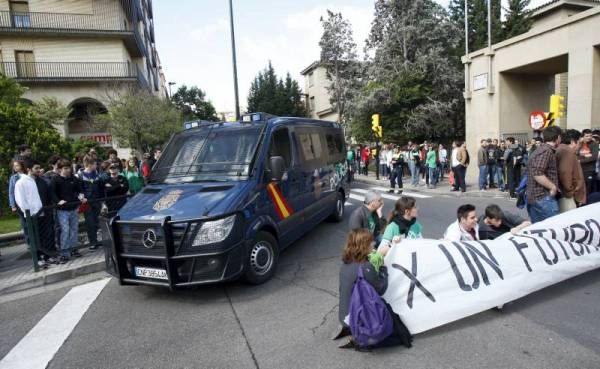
(370, 321)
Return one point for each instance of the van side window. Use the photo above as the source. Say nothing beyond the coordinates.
(281, 146)
(312, 148)
(335, 146)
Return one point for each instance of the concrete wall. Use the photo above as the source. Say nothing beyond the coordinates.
(522, 78)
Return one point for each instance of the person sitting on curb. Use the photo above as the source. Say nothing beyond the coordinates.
(402, 223)
(369, 215)
(496, 222)
(465, 228)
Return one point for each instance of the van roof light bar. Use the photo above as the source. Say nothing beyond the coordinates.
(255, 117)
(198, 123)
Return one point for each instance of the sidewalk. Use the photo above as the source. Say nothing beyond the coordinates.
(442, 189)
(16, 269)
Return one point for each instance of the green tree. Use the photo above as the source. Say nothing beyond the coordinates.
(273, 95)
(477, 11)
(51, 111)
(22, 125)
(518, 19)
(193, 104)
(142, 121)
(338, 56)
(409, 79)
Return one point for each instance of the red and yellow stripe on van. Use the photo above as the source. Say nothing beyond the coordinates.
(281, 205)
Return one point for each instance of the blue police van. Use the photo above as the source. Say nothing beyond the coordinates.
(225, 199)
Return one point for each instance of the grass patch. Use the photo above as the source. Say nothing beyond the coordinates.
(9, 224)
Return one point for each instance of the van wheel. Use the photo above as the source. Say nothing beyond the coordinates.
(262, 258)
(338, 212)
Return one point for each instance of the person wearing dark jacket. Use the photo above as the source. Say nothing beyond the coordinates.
(46, 225)
(93, 190)
(115, 185)
(369, 215)
(357, 254)
(496, 222)
(68, 194)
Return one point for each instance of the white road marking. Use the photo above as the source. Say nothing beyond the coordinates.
(356, 197)
(390, 196)
(405, 193)
(42, 342)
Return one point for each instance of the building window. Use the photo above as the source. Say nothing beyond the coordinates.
(311, 103)
(311, 79)
(25, 64)
(19, 11)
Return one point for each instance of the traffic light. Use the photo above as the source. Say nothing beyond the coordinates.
(375, 126)
(557, 105)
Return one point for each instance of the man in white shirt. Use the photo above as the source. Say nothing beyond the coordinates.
(443, 159)
(27, 197)
(465, 228)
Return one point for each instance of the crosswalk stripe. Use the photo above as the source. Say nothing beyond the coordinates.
(390, 196)
(39, 346)
(405, 193)
(356, 197)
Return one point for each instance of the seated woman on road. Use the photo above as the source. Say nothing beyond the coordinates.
(359, 253)
(402, 223)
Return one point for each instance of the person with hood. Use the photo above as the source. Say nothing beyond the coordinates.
(402, 223)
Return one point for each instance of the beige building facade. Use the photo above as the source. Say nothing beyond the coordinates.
(504, 84)
(317, 97)
(82, 52)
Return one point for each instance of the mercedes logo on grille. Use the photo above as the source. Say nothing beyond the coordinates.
(149, 238)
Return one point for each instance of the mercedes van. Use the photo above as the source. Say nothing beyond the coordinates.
(225, 199)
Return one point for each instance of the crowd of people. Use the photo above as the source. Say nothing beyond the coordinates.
(502, 163)
(56, 196)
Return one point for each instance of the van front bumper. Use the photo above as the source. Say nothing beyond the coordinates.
(173, 264)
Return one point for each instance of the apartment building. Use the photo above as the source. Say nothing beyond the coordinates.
(318, 99)
(83, 52)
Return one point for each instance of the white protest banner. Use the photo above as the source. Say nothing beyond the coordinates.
(434, 282)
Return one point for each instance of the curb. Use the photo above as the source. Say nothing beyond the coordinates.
(384, 183)
(45, 279)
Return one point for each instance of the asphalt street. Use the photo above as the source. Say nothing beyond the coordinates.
(289, 321)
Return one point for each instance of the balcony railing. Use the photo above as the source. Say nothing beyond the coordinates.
(70, 71)
(25, 21)
(39, 24)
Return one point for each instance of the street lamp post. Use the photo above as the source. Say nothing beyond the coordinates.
(235, 82)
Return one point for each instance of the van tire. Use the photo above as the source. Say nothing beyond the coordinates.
(338, 211)
(261, 259)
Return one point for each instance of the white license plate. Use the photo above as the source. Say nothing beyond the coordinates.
(151, 273)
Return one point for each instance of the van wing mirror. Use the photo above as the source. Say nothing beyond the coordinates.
(277, 165)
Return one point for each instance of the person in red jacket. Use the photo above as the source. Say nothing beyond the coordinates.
(365, 156)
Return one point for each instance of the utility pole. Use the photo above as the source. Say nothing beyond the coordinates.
(466, 28)
(235, 82)
(489, 19)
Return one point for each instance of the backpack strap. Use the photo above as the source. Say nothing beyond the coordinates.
(360, 274)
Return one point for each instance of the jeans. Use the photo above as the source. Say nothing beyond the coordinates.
(483, 173)
(491, 168)
(69, 227)
(542, 209)
(459, 177)
(396, 177)
(414, 172)
(91, 222)
(500, 177)
(432, 176)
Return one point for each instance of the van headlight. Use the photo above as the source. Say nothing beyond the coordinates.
(214, 231)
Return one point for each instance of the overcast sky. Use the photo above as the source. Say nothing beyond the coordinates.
(193, 40)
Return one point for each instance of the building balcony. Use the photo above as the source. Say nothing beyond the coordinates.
(29, 73)
(38, 24)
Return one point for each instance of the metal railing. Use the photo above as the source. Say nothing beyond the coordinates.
(60, 21)
(39, 71)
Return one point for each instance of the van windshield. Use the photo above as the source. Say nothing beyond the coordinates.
(210, 155)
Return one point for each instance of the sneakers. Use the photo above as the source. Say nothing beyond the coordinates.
(63, 260)
(42, 264)
(399, 192)
(391, 190)
(75, 253)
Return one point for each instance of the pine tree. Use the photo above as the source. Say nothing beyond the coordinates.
(270, 94)
(478, 27)
(518, 19)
